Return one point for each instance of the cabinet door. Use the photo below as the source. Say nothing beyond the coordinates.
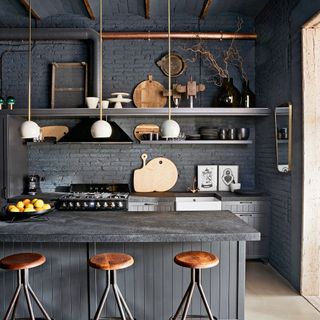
(257, 249)
(2, 155)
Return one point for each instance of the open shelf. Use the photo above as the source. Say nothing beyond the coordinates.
(140, 112)
(239, 142)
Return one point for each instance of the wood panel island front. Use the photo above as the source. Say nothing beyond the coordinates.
(154, 285)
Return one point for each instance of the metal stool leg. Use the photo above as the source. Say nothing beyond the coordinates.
(124, 303)
(186, 300)
(44, 312)
(103, 299)
(25, 275)
(198, 280)
(14, 301)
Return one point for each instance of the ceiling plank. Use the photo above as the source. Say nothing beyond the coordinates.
(147, 8)
(205, 9)
(34, 15)
(89, 9)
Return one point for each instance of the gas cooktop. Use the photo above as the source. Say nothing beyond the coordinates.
(92, 197)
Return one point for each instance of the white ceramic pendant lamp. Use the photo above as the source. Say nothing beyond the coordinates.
(101, 128)
(169, 128)
(29, 129)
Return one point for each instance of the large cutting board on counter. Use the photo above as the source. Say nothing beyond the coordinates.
(159, 174)
(149, 94)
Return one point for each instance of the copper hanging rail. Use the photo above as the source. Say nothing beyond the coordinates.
(178, 35)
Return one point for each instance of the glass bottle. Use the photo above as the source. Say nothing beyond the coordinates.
(248, 98)
(229, 95)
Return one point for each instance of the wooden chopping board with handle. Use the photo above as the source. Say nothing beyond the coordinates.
(54, 132)
(149, 94)
(159, 174)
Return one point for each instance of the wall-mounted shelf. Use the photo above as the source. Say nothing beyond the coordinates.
(239, 142)
(140, 112)
(84, 142)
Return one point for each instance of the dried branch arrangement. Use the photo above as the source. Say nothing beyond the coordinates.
(220, 61)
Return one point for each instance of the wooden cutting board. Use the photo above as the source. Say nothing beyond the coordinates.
(149, 94)
(160, 174)
(54, 132)
(145, 128)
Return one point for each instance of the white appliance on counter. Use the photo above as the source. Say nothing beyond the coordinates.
(197, 204)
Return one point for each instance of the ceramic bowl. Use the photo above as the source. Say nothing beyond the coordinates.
(92, 102)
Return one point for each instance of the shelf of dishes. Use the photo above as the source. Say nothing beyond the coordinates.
(241, 142)
(140, 112)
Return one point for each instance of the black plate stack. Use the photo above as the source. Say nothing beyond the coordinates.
(209, 133)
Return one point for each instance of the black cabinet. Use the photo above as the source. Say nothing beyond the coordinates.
(13, 159)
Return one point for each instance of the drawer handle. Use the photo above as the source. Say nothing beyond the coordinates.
(246, 202)
(245, 215)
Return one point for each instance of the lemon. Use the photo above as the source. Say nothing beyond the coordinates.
(46, 206)
(11, 206)
(39, 209)
(38, 204)
(34, 200)
(26, 201)
(29, 210)
(20, 204)
(29, 205)
(14, 209)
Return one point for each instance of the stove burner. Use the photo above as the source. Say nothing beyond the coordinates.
(82, 198)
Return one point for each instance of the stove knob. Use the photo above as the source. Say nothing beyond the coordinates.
(112, 205)
(70, 205)
(98, 205)
(64, 205)
(85, 205)
(105, 204)
(120, 204)
(78, 205)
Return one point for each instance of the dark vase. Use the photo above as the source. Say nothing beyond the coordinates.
(248, 98)
(229, 96)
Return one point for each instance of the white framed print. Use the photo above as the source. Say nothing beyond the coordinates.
(227, 175)
(207, 178)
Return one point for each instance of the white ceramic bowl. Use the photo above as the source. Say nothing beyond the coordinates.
(29, 130)
(92, 102)
(170, 129)
(101, 129)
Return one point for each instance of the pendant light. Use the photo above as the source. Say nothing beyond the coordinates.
(29, 129)
(169, 128)
(101, 128)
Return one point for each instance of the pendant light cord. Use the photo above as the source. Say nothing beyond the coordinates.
(101, 52)
(169, 56)
(29, 64)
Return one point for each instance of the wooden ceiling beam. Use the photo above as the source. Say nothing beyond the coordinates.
(26, 5)
(205, 9)
(89, 9)
(147, 8)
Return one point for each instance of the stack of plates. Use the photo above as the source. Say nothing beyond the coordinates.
(193, 137)
(209, 133)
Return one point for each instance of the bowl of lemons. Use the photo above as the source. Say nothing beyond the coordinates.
(29, 208)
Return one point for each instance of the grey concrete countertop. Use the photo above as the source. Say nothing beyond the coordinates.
(231, 196)
(124, 226)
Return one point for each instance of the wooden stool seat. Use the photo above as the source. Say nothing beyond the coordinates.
(111, 261)
(196, 259)
(22, 261)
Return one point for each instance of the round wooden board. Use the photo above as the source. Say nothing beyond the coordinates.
(149, 94)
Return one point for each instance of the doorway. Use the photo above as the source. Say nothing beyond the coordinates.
(310, 255)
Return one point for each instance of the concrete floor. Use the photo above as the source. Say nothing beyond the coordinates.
(270, 297)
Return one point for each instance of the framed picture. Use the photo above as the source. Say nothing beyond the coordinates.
(227, 175)
(207, 178)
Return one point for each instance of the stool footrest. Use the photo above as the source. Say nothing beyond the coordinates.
(196, 317)
(110, 318)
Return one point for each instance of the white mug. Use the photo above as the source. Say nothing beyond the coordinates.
(235, 186)
(92, 102)
(105, 104)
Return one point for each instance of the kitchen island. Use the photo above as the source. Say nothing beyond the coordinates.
(154, 286)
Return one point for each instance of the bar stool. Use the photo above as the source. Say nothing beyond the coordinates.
(22, 262)
(111, 262)
(195, 260)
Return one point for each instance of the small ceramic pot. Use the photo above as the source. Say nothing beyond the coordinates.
(235, 186)
(92, 102)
